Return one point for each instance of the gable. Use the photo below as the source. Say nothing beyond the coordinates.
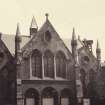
(41, 42)
(87, 59)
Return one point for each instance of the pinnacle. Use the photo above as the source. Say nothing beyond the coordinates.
(18, 30)
(33, 23)
(73, 34)
(98, 46)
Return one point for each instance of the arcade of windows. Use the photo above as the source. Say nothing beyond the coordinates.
(48, 64)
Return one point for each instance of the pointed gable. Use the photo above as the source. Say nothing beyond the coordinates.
(87, 59)
(47, 38)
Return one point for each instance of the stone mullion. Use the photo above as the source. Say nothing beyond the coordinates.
(54, 67)
(42, 66)
(30, 67)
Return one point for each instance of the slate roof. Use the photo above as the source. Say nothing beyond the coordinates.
(9, 41)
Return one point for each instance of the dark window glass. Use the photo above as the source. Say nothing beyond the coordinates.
(36, 63)
(86, 58)
(48, 64)
(61, 65)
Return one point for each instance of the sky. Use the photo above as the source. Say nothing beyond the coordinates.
(87, 16)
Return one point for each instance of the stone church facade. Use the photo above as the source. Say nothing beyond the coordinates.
(44, 71)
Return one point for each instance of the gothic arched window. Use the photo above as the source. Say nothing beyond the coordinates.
(48, 64)
(37, 64)
(61, 65)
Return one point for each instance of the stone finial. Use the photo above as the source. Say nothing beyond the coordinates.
(46, 16)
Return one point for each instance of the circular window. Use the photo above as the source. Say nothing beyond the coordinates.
(47, 36)
(86, 58)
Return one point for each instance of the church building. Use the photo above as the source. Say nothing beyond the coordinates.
(44, 70)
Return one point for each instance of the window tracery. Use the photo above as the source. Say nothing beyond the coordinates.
(48, 64)
(36, 64)
(61, 65)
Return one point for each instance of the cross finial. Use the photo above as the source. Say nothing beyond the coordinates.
(46, 15)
